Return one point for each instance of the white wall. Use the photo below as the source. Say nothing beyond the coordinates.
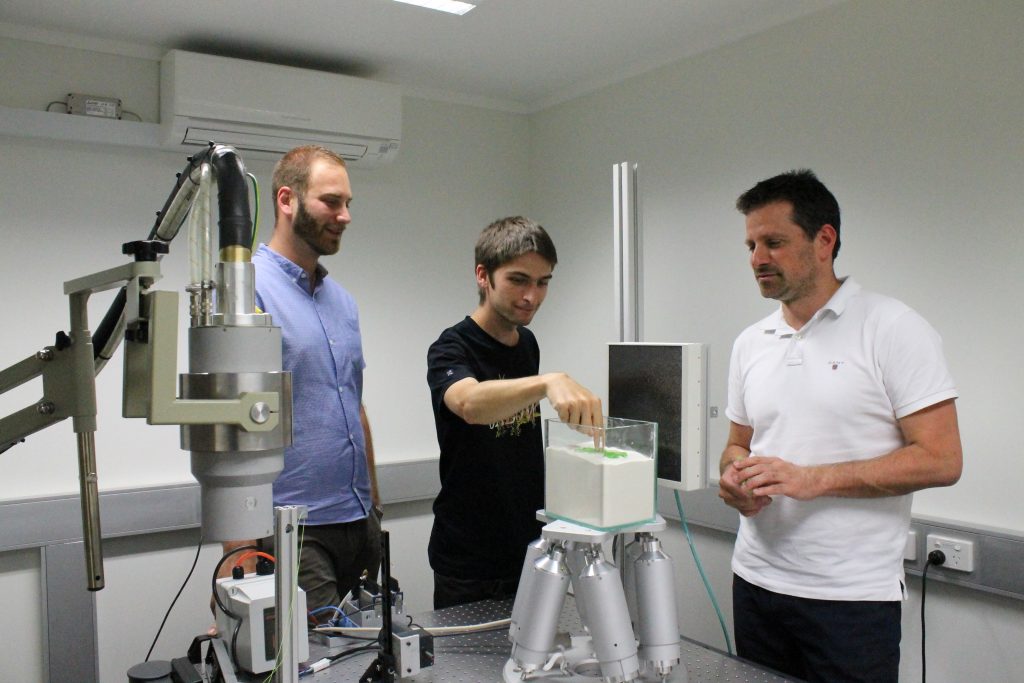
(910, 112)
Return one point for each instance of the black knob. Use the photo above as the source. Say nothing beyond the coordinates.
(144, 250)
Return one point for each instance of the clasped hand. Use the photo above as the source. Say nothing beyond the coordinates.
(749, 483)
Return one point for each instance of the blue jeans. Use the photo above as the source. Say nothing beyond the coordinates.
(831, 641)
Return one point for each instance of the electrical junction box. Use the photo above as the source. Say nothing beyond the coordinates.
(252, 598)
(93, 105)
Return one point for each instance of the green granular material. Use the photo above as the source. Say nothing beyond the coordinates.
(607, 452)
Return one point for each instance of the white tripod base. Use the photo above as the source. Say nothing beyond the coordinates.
(608, 648)
(577, 664)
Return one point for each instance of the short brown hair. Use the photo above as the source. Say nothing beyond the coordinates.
(509, 238)
(292, 170)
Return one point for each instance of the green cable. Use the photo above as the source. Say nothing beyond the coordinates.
(256, 209)
(700, 570)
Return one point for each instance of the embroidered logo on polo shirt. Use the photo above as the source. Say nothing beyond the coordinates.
(836, 363)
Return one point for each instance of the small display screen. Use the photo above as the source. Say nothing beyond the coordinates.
(269, 635)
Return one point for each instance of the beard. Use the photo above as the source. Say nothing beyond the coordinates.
(783, 288)
(795, 281)
(314, 233)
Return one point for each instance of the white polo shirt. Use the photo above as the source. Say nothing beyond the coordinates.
(832, 391)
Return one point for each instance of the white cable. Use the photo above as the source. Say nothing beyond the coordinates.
(432, 630)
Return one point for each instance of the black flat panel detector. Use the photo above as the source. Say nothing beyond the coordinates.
(645, 382)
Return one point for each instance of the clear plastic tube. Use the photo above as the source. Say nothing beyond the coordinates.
(199, 234)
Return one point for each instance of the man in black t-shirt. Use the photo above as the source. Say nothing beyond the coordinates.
(486, 393)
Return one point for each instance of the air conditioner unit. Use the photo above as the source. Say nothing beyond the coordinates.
(264, 110)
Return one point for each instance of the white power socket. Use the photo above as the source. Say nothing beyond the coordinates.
(959, 552)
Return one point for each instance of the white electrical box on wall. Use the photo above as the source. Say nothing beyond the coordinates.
(93, 105)
(667, 384)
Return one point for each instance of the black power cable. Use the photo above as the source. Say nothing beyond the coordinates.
(937, 558)
(175, 600)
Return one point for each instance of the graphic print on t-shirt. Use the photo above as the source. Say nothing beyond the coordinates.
(513, 425)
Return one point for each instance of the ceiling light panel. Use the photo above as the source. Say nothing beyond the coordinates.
(449, 6)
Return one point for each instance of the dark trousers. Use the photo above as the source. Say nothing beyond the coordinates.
(449, 591)
(831, 641)
(332, 557)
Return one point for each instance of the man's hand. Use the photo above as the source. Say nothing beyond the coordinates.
(769, 476)
(736, 495)
(576, 405)
(573, 402)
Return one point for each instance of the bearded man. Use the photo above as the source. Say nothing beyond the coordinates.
(329, 467)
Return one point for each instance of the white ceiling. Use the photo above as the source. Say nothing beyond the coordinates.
(521, 55)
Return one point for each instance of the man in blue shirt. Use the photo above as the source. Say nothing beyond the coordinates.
(329, 466)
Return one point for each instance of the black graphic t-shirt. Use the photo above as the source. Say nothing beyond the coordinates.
(492, 476)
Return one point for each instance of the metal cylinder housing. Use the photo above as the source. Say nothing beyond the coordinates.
(534, 634)
(534, 552)
(657, 626)
(599, 587)
(236, 468)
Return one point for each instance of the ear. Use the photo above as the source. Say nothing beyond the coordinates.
(825, 241)
(284, 201)
(482, 281)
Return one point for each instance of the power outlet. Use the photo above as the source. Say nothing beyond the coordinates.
(959, 551)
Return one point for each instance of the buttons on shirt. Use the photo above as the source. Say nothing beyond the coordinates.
(795, 350)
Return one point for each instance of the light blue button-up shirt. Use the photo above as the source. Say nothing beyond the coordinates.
(325, 468)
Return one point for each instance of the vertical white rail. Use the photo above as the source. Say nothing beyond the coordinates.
(290, 623)
(627, 252)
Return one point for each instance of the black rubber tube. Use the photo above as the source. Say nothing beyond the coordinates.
(235, 225)
(109, 323)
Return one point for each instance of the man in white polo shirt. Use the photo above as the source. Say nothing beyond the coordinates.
(840, 407)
